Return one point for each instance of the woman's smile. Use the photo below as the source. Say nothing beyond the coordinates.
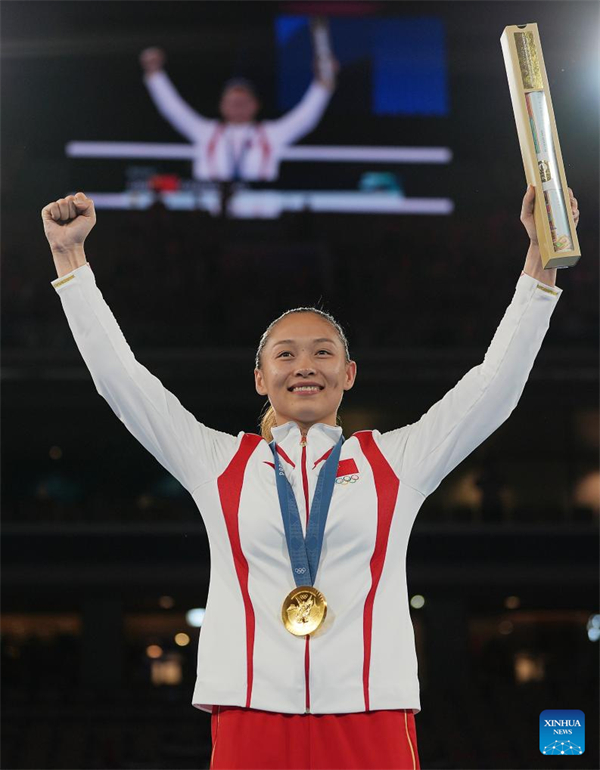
(306, 389)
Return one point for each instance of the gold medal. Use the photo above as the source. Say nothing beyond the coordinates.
(303, 610)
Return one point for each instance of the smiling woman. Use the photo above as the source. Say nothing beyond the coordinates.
(303, 365)
(325, 673)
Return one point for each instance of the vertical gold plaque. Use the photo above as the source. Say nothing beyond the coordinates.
(529, 64)
(540, 149)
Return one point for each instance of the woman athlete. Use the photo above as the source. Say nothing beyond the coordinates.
(306, 658)
(238, 147)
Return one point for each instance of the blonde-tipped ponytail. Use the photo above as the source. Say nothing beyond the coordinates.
(267, 421)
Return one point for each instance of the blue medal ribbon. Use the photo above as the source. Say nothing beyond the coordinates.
(237, 162)
(305, 553)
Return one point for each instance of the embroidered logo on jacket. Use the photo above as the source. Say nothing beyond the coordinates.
(347, 472)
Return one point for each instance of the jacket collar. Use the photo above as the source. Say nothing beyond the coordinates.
(320, 439)
(291, 430)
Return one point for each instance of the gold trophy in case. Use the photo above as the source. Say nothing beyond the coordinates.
(538, 138)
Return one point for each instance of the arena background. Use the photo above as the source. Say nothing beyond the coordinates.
(104, 554)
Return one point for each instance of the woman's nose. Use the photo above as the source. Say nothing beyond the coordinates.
(305, 371)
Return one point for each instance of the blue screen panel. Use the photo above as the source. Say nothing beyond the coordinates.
(405, 59)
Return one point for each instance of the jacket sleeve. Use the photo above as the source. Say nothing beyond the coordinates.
(301, 119)
(423, 453)
(174, 108)
(189, 450)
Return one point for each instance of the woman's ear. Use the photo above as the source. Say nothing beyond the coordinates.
(350, 374)
(259, 383)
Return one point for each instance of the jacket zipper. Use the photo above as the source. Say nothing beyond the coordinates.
(307, 647)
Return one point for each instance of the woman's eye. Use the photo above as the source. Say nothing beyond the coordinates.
(288, 353)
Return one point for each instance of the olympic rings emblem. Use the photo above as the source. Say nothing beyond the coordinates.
(344, 480)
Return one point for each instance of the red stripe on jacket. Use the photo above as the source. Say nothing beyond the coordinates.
(212, 145)
(230, 489)
(387, 485)
(266, 149)
(281, 453)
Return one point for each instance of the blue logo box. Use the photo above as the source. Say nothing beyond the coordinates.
(562, 731)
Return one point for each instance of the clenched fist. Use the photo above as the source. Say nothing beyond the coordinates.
(152, 59)
(68, 221)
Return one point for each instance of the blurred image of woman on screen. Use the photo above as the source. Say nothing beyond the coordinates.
(238, 146)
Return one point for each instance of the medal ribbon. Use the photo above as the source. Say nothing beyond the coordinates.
(237, 162)
(305, 553)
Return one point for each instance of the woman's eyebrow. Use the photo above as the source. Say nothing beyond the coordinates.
(292, 342)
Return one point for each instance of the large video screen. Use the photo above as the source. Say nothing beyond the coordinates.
(359, 125)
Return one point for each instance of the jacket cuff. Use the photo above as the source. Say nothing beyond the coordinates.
(79, 274)
(534, 284)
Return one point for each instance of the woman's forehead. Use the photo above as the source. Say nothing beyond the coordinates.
(303, 327)
(237, 92)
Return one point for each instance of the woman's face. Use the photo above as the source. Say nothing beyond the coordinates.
(304, 371)
(238, 105)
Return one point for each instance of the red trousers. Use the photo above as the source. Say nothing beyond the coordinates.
(251, 739)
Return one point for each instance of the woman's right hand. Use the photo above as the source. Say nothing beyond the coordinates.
(152, 60)
(67, 222)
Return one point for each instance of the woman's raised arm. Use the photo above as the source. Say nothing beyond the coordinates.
(189, 450)
(167, 98)
(426, 451)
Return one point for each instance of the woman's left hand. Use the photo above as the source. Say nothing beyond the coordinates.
(335, 68)
(527, 212)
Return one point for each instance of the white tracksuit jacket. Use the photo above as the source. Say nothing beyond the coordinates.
(363, 657)
(254, 147)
